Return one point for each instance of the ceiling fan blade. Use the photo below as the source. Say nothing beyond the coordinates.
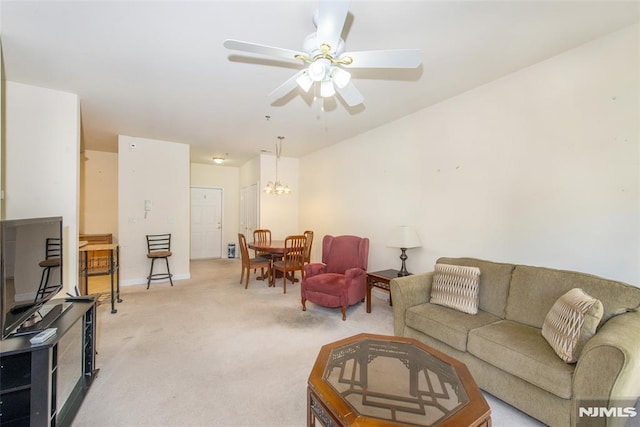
(350, 94)
(286, 87)
(261, 49)
(331, 17)
(398, 58)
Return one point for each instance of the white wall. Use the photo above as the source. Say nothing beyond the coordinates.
(539, 167)
(228, 179)
(42, 162)
(250, 172)
(99, 192)
(156, 171)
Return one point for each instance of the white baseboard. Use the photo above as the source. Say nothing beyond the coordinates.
(143, 280)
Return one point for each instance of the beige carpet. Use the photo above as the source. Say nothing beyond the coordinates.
(207, 352)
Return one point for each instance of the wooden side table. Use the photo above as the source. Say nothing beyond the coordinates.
(380, 279)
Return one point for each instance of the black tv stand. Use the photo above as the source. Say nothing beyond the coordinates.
(45, 384)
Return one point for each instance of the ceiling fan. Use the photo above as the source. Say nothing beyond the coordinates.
(325, 57)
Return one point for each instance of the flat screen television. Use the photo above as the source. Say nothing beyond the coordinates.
(30, 270)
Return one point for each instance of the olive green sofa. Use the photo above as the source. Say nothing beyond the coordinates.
(504, 349)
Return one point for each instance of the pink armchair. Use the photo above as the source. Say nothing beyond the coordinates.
(341, 279)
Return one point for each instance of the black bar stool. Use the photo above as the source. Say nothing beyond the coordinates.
(53, 257)
(159, 247)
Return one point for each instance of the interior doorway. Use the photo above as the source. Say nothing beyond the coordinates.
(206, 223)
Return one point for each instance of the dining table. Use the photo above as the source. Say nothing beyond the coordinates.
(276, 249)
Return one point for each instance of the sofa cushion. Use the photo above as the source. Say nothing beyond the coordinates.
(495, 279)
(446, 324)
(456, 287)
(522, 351)
(571, 322)
(534, 290)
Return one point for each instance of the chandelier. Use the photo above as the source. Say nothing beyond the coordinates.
(277, 187)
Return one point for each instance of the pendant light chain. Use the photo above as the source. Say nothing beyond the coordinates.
(278, 151)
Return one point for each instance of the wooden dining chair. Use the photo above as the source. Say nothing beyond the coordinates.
(308, 234)
(251, 263)
(292, 259)
(263, 236)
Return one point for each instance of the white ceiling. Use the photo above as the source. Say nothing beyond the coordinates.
(159, 70)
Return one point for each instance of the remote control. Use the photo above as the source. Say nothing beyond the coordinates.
(43, 336)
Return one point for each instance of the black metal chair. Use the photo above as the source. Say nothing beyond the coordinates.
(159, 247)
(52, 254)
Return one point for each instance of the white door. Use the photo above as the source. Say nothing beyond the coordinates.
(206, 223)
(249, 210)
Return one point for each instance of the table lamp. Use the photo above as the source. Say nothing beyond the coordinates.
(404, 237)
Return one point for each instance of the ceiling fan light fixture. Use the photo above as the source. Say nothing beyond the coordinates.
(304, 81)
(340, 77)
(326, 89)
(318, 69)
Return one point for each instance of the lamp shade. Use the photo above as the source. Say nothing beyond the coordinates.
(404, 236)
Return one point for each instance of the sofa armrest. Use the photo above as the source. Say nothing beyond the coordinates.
(608, 369)
(406, 292)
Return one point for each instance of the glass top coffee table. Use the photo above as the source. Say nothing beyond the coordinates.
(392, 381)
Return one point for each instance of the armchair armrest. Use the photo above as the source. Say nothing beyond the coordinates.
(608, 369)
(407, 292)
(354, 273)
(314, 268)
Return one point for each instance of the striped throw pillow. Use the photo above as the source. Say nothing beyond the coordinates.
(456, 286)
(571, 322)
